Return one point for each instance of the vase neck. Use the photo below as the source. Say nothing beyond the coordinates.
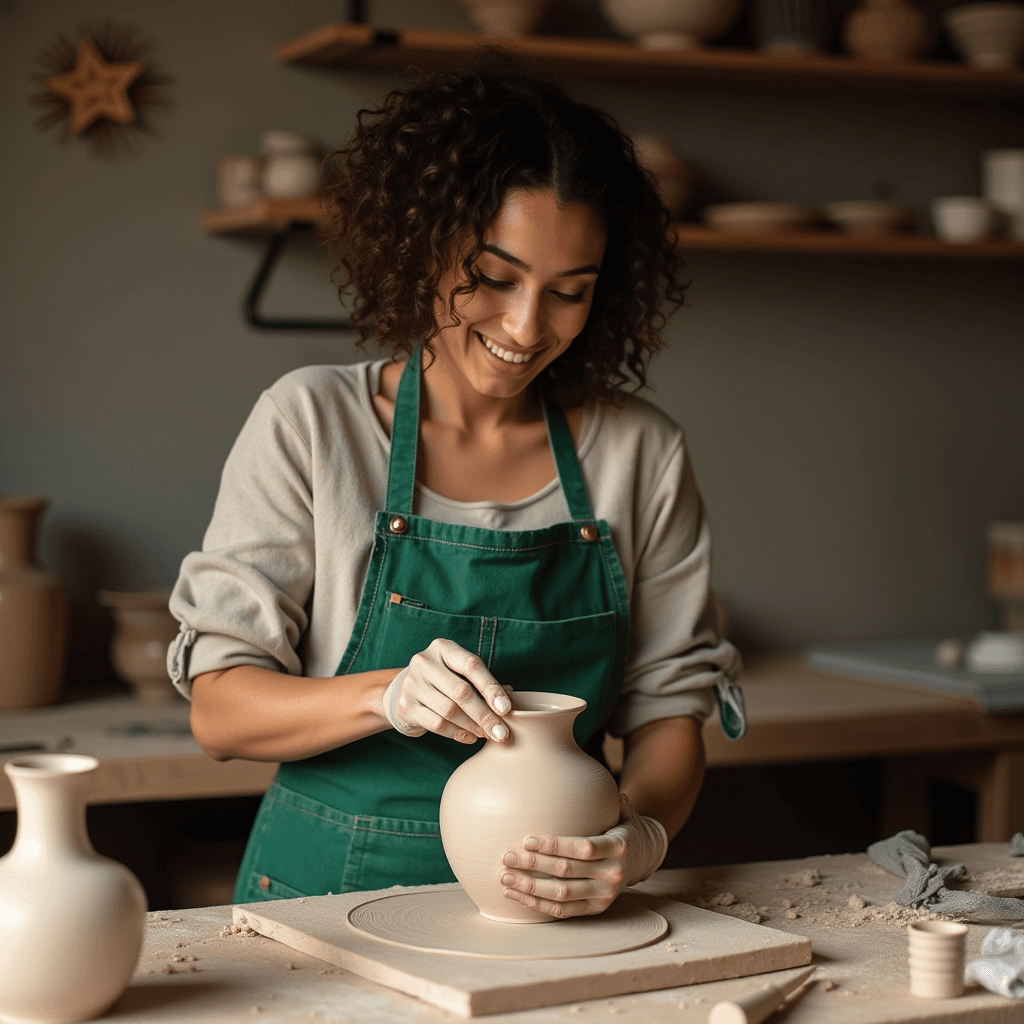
(18, 521)
(541, 731)
(51, 810)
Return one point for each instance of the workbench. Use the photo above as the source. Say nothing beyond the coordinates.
(795, 715)
(191, 972)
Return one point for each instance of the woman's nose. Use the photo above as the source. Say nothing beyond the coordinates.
(522, 320)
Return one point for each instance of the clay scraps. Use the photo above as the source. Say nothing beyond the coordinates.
(908, 854)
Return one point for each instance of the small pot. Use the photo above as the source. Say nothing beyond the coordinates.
(869, 216)
(671, 24)
(674, 177)
(790, 27)
(962, 219)
(506, 17)
(143, 629)
(889, 30)
(989, 35)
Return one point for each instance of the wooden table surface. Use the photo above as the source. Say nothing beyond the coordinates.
(796, 714)
(860, 957)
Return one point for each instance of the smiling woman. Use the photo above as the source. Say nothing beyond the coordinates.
(397, 543)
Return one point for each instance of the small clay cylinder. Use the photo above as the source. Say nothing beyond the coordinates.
(936, 957)
(1006, 561)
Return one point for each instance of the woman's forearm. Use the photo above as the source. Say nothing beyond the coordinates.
(260, 715)
(663, 770)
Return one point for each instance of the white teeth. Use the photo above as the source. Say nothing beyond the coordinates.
(502, 353)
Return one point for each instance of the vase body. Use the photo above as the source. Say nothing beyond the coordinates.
(143, 628)
(890, 30)
(790, 27)
(33, 612)
(536, 782)
(671, 24)
(73, 921)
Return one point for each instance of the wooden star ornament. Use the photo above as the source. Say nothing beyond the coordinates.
(96, 89)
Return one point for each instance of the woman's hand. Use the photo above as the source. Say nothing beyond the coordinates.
(588, 872)
(448, 691)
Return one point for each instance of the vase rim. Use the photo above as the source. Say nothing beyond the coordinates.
(537, 702)
(39, 766)
(22, 502)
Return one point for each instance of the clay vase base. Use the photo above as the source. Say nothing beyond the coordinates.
(449, 922)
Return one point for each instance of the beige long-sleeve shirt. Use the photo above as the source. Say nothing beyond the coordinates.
(278, 580)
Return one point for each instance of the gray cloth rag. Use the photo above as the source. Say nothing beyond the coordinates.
(1017, 845)
(908, 855)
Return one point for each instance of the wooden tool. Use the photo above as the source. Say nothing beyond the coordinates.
(758, 1005)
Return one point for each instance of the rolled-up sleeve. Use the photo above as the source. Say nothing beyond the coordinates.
(242, 599)
(676, 654)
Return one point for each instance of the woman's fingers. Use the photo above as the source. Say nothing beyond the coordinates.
(470, 685)
(555, 908)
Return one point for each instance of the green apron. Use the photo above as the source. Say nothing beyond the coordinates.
(545, 609)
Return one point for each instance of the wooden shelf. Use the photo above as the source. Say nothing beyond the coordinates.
(364, 47)
(261, 217)
(268, 215)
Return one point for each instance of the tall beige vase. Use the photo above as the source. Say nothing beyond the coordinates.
(538, 781)
(33, 612)
(72, 921)
(889, 30)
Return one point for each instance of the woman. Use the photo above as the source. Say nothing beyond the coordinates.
(395, 543)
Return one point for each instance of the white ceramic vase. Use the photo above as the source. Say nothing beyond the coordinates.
(989, 35)
(71, 921)
(671, 24)
(538, 781)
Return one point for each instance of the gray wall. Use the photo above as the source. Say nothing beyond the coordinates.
(854, 423)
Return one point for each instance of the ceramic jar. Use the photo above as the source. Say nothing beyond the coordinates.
(674, 177)
(506, 17)
(143, 629)
(33, 612)
(889, 30)
(72, 921)
(290, 170)
(963, 219)
(989, 35)
(537, 781)
(936, 959)
(671, 24)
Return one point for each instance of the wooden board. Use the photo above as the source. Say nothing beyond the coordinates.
(701, 946)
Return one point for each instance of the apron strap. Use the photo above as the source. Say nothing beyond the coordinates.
(405, 435)
(404, 431)
(568, 465)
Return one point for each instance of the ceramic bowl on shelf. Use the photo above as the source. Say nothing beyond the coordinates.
(671, 24)
(761, 216)
(506, 17)
(989, 35)
(963, 219)
(869, 216)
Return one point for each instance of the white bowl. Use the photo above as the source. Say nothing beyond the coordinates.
(761, 216)
(869, 216)
(506, 17)
(989, 35)
(671, 24)
(963, 219)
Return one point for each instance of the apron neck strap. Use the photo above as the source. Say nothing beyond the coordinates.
(405, 434)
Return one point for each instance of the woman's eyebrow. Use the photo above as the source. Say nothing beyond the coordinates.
(495, 250)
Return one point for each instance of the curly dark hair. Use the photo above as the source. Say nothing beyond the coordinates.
(434, 163)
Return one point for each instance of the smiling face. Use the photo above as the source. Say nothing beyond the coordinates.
(537, 276)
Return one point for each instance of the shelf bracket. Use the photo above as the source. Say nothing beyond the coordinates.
(250, 305)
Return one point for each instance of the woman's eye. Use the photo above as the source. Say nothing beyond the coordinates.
(578, 297)
(490, 282)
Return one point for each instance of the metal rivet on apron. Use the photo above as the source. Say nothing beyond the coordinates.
(588, 532)
(264, 882)
(398, 525)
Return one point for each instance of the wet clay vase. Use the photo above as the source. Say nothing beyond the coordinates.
(143, 628)
(889, 30)
(71, 921)
(33, 612)
(536, 782)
